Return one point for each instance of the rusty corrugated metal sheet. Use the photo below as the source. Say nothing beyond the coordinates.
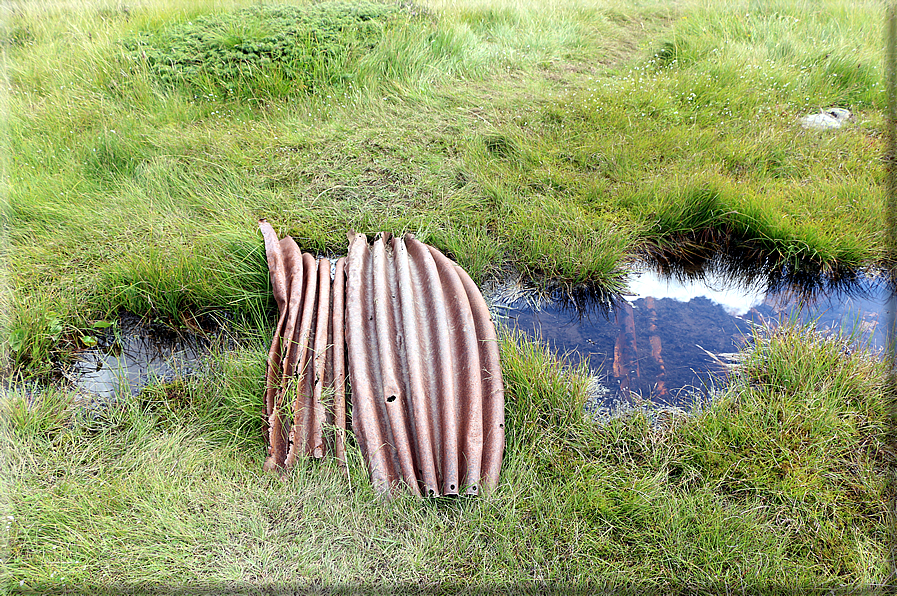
(422, 357)
(297, 372)
(427, 394)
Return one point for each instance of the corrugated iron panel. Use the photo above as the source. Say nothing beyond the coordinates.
(422, 357)
(427, 395)
(298, 390)
(337, 361)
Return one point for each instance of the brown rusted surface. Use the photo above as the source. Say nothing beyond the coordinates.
(414, 318)
(436, 349)
(320, 358)
(422, 357)
(364, 366)
(337, 361)
(278, 269)
(493, 427)
(427, 395)
(466, 369)
(301, 375)
(296, 381)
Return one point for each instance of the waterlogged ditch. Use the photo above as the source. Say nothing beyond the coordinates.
(670, 340)
(676, 333)
(133, 354)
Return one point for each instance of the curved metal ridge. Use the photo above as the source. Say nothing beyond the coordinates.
(427, 392)
(305, 378)
(423, 364)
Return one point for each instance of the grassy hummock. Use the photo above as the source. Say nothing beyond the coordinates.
(266, 51)
(141, 142)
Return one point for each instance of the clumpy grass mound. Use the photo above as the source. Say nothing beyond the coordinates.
(265, 51)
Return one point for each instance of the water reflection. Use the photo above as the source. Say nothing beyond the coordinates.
(133, 356)
(672, 337)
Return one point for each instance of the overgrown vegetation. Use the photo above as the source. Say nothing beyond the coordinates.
(266, 51)
(559, 141)
(780, 485)
(142, 142)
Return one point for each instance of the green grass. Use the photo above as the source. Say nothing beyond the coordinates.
(780, 484)
(558, 140)
(263, 52)
(142, 141)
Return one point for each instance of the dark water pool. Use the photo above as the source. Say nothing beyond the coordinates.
(133, 355)
(672, 337)
(669, 340)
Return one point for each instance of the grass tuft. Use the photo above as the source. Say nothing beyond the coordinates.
(267, 51)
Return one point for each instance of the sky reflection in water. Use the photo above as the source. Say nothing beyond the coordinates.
(135, 356)
(673, 336)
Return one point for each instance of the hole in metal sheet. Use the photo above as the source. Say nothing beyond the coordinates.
(391, 399)
(451, 487)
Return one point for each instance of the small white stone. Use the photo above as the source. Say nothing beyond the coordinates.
(826, 119)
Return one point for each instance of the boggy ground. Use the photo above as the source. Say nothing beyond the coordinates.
(560, 138)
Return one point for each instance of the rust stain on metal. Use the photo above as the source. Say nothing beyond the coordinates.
(427, 395)
(414, 334)
(337, 361)
(295, 380)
